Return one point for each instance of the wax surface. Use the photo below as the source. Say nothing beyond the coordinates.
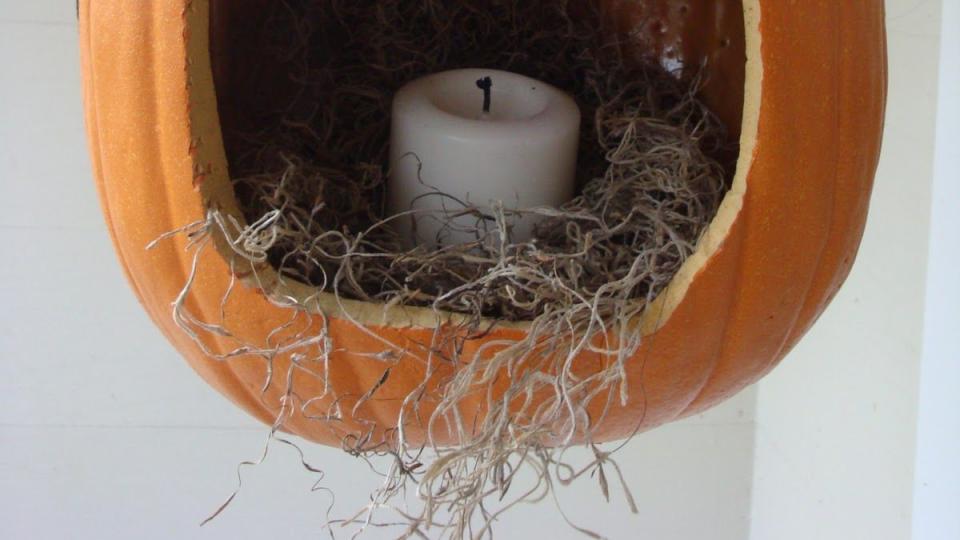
(446, 153)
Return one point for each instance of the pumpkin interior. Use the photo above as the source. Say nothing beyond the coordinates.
(690, 34)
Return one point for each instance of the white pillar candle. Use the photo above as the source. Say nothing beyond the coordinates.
(522, 152)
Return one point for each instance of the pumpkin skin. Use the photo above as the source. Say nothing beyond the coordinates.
(809, 103)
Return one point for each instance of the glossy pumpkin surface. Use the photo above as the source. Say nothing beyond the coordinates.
(805, 83)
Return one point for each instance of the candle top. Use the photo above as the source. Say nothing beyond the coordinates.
(456, 100)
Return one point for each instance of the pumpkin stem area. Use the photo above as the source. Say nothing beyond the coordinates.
(470, 418)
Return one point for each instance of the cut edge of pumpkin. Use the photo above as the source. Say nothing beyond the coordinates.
(211, 176)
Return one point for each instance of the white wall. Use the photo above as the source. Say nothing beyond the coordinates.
(836, 423)
(936, 510)
(105, 433)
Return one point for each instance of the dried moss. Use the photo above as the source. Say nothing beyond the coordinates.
(311, 172)
(649, 180)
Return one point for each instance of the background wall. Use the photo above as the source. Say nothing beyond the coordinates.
(936, 481)
(105, 433)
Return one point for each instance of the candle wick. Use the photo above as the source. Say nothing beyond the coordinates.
(485, 84)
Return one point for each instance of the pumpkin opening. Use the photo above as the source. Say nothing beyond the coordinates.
(263, 52)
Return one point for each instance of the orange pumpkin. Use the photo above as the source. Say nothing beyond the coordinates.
(803, 83)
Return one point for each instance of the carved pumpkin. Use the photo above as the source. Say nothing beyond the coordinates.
(802, 83)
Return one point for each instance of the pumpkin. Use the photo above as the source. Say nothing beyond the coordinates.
(801, 83)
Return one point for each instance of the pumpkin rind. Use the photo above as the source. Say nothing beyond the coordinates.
(777, 253)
